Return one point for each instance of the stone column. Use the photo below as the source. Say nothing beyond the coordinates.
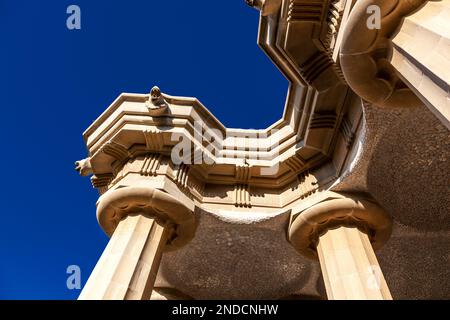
(342, 232)
(349, 266)
(143, 223)
(421, 56)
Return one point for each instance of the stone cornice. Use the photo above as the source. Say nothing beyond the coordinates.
(320, 119)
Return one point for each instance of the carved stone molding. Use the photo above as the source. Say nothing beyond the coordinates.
(337, 210)
(151, 164)
(115, 150)
(307, 184)
(365, 53)
(243, 173)
(114, 205)
(101, 181)
(334, 19)
(242, 196)
(182, 176)
(154, 140)
(295, 163)
(304, 10)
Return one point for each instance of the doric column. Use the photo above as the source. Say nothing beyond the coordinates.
(342, 232)
(421, 56)
(142, 222)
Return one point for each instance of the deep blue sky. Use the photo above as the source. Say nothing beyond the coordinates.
(55, 82)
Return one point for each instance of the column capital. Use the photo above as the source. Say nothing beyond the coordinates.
(366, 49)
(116, 204)
(337, 210)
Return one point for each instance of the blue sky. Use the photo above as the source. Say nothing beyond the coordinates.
(55, 82)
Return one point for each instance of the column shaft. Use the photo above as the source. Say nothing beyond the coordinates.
(128, 267)
(421, 56)
(349, 266)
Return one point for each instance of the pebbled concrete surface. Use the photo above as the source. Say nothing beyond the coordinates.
(241, 261)
(405, 165)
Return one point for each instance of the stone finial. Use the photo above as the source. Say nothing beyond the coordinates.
(84, 167)
(156, 104)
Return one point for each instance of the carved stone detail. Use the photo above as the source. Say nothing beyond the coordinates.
(364, 54)
(323, 120)
(302, 10)
(334, 19)
(156, 104)
(242, 196)
(151, 164)
(243, 173)
(182, 176)
(154, 140)
(295, 163)
(315, 65)
(307, 184)
(196, 186)
(84, 167)
(116, 151)
(101, 181)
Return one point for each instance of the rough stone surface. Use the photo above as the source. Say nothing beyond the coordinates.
(246, 261)
(416, 264)
(408, 150)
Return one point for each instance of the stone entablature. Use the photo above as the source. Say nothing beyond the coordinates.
(126, 141)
